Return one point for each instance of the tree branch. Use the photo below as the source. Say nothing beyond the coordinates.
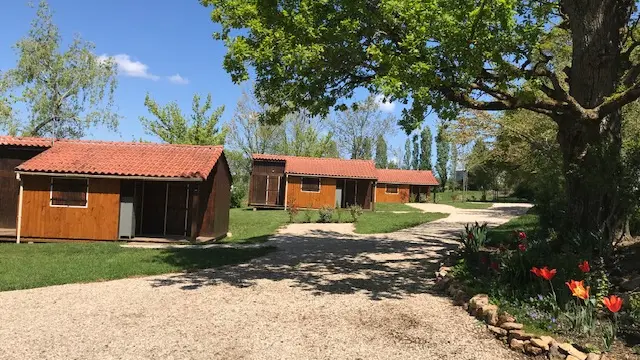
(36, 130)
(617, 101)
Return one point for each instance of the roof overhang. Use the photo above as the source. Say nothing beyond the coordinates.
(405, 183)
(98, 176)
(330, 176)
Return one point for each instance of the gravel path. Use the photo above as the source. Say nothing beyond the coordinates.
(326, 294)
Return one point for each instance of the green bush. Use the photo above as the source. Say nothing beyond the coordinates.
(326, 214)
(238, 194)
(292, 210)
(413, 198)
(307, 216)
(355, 211)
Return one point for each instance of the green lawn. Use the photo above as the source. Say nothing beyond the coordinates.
(24, 266)
(504, 234)
(463, 200)
(395, 207)
(381, 222)
(248, 226)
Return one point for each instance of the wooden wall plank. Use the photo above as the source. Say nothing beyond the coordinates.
(312, 200)
(401, 197)
(9, 186)
(216, 200)
(222, 203)
(99, 221)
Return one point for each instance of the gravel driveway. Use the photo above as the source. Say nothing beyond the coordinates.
(325, 294)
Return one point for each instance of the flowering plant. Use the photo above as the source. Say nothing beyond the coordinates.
(578, 289)
(544, 273)
(584, 266)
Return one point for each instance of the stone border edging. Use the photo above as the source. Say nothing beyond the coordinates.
(504, 326)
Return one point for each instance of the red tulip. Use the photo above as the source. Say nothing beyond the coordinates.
(535, 271)
(522, 235)
(470, 236)
(578, 290)
(613, 303)
(494, 265)
(544, 273)
(522, 247)
(584, 266)
(547, 274)
(483, 260)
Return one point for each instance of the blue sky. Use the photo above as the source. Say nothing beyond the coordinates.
(162, 47)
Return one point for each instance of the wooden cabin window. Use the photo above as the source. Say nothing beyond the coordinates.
(392, 189)
(311, 184)
(69, 192)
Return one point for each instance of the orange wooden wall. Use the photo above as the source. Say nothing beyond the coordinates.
(99, 221)
(312, 200)
(401, 197)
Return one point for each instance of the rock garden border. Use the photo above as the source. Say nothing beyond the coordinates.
(505, 327)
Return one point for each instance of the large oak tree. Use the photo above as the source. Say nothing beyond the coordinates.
(447, 55)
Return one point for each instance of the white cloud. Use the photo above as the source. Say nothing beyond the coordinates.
(177, 79)
(385, 105)
(128, 67)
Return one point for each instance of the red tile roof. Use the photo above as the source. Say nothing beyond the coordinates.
(125, 159)
(25, 141)
(328, 167)
(411, 177)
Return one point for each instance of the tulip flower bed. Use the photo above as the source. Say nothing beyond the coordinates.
(555, 290)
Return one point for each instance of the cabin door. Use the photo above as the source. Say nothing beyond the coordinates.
(350, 190)
(165, 208)
(177, 209)
(339, 192)
(154, 197)
(273, 189)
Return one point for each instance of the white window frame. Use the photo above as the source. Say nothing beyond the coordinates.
(68, 206)
(386, 189)
(307, 191)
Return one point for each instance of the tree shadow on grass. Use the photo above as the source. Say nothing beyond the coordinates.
(197, 259)
(328, 262)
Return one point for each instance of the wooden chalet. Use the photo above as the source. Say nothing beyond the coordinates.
(92, 190)
(400, 186)
(278, 181)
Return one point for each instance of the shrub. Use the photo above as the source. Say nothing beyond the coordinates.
(238, 194)
(473, 237)
(338, 215)
(423, 198)
(355, 211)
(293, 210)
(307, 217)
(524, 191)
(413, 198)
(326, 214)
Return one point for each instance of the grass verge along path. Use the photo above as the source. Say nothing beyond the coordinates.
(381, 222)
(467, 205)
(386, 207)
(248, 226)
(503, 234)
(24, 266)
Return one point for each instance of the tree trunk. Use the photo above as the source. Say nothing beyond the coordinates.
(592, 148)
(593, 170)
